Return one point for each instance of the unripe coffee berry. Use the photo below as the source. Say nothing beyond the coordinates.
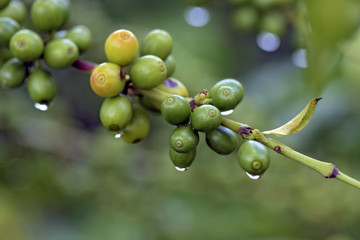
(170, 63)
(121, 47)
(225, 98)
(184, 139)
(182, 160)
(236, 85)
(12, 73)
(106, 80)
(254, 158)
(41, 87)
(49, 14)
(60, 53)
(3, 3)
(138, 128)
(8, 27)
(15, 10)
(173, 86)
(206, 118)
(175, 109)
(150, 104)
(116, 113)
(157, 42)
(222, 140)
(26, 45)
(81, 36)
(148, 72)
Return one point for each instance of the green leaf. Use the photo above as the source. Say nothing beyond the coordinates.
(297, 123)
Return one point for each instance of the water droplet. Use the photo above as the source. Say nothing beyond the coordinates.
(228, 112)
(197, 16)
(253, 176)
(116, 134)
(41, 107)
(181, 169)
(268, 42)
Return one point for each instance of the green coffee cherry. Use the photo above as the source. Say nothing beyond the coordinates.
(41, 87)
(15, 10)
(184, 139)
(170, 63)
(157, 42)
(3, 3)
(245, 18)
(5, 54)
(236, 85)
(106, 80)
(222, 140)
(150, 104)
(206, 118)
(81, 36)
(138, 128)
(26, 45)
(60, 53)
(173, 86)
(116, 113)
(273, 22)
(12, 73)
(8, 27)
(175, 109)
(182, 161)
(121, 47)
(226, 98)
(49, 15)
(148, 72)
(254, 158)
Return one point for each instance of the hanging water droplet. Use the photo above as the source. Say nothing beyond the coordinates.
(228, 112)
(41, 107)
(181, 169)
(118, 134)
(253, 176)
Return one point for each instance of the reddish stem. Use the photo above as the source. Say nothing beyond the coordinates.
(83, 65)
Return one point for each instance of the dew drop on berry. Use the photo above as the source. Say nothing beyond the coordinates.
(181, 169)
(41, 106)
(255, 177)
(228, 112)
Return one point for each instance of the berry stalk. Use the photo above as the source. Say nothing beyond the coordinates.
(328, 170)
(83, 65)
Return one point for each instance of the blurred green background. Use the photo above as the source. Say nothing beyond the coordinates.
(62, 176)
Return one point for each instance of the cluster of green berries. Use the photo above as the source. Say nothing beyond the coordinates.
(261, 15)
(203, 114)
(131, 68)
(134, 69)
(26, 49)
(134, 78)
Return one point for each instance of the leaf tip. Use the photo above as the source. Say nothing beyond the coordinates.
(318, 99)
